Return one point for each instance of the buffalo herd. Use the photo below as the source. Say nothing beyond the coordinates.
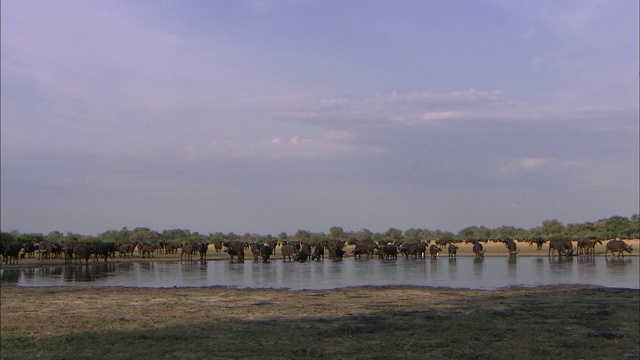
(293, 250)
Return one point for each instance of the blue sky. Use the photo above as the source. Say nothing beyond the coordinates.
(270, 116)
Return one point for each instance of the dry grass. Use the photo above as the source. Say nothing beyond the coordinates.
(353, 323)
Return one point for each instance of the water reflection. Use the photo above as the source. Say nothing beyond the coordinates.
(487, 273)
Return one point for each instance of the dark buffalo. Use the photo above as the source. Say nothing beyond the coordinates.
(217, 246)
(453, 250)
(187, 251)
(413, 248)
(149, 250)
(335, 248)
(538, 242)
(478, 249)
(591, 246)
(83, 251)
(318, 252)
(511, 246)
(235, 248)
(364, 247)
(390, 251)
(434, 250)
(255, 250)
(339, 254)
(67, 250)
(265, 252)
(562, 246)
(103, 249)
(302, 255)
(30, 249)
(171, 248)
(618, 246)
(287, 252)
(12, 252)
(202, 250)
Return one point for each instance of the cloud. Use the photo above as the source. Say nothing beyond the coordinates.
(330, 144)
(537, 164)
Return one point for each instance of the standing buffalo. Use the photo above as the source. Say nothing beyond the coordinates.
(390, 251)
(235, 248)
(187, 250)
(511, 246)
(12, 253)
(453, 250)
(478, 250)
(414, 248)
(364, 247)
(83, 251)
(265, 252)
(538, 242)
(148, 249)
(202, 250)
(287, 252)
(617, 246)
(434, 250)
(318, 252)
(562, 246)
(302, 255)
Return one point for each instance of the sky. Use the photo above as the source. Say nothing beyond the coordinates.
(271, 116)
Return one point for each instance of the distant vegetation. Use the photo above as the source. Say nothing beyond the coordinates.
(610, 228)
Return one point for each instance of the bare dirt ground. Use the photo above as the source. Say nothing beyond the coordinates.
(354, 323)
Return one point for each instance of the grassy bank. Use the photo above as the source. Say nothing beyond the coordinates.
(354, 323)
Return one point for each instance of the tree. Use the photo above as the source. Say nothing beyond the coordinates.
(552, 228)
(393, 234)
(364, 234)
(302, 236)
(336, 232)
(615, 227)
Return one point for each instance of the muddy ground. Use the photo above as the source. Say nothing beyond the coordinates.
(564, 322)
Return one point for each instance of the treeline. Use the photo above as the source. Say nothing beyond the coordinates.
(610, 228)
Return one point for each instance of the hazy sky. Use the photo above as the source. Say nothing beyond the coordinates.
(270, 116)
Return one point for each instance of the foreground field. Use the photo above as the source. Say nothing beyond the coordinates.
(354, 323)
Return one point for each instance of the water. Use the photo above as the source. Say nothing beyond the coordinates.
(489, 273)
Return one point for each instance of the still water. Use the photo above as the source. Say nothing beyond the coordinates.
(489, 273)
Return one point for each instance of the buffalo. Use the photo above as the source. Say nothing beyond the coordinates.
(413, 248)
(235, 248)
(364, 247)
(302, 255)
(265, 252)
(150, 249)
(617, 246)
(287, 252)
(12, 253)
(390, 251)
(434, 250)
(562, 246)
(478, 249)
(511, 246)
(83, 251)
(187, 251)
(318, 253)
(453, 250)
(538, 242)
(202, 250)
